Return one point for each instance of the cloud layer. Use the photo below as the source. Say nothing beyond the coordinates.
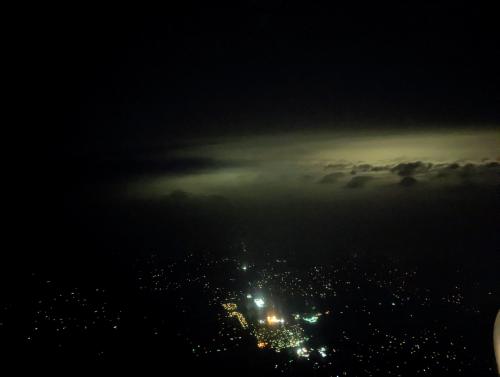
(317, 165)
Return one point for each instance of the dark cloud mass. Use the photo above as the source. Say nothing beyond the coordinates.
(479, 173)
(359, 181)
(408, 181)
(361, 168)
(411, 168)
(332, 177)
(379, 168)
(337, 166)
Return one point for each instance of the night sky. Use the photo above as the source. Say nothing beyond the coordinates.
(264, 66)
(341, 163)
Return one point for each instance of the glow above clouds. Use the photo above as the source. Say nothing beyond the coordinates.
(296, 163)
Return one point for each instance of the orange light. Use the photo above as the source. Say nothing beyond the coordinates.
(273, 320)
(261, 344)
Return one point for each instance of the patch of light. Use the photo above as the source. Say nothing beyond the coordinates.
(311, 319)
(273, 320)
(302, 352)
(280, 337)
(259, 302)
(230, 306)
(241, 318)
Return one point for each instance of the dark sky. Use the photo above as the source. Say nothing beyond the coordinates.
(144, 74)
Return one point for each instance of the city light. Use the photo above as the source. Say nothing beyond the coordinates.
(311, 319)
(259, 302)
(230, 306)
(241, 319)
(302, 352)
(261, 344)
(231, 309)
(280, 337)
(273, 320)
(275, 309)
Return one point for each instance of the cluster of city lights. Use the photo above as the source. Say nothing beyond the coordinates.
(241, 319)
(259, 302)
(302, 352)
(312, 319)
(231, 307)
(260, 298)
(272, 320)
(305, 352)
(279, 338)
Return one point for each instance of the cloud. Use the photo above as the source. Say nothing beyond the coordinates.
(271, 165)
(408, 181)
(380, 168)
(361, 168)
(486, 171)
(178, 195)
(332, 177)
(406, 169)
(359, 181)
(306, 178)
(337, 166)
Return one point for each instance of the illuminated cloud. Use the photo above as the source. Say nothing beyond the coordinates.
(362, 168)
(332, 177)
(410, 168)
(337, 166)
(290, 164)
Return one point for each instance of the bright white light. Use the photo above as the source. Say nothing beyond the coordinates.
(244, 268)
(322, 351)
(302, 352)
(249, 295)
(273, 320)
(259, 302)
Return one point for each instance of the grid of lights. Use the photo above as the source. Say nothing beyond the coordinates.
(279, 338)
